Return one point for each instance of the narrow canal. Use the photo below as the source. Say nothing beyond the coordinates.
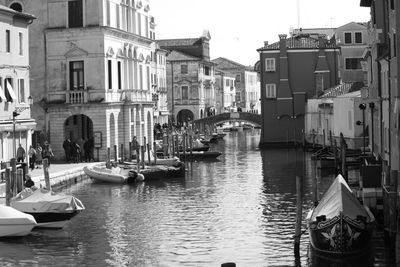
(239, 209)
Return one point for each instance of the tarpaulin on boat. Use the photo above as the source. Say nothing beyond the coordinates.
(42, 200)
(339, 198)
(9, 215)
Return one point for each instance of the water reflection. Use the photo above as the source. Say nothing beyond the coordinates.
(239, 209)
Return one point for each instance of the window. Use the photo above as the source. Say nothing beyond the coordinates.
(237, 78)
(347, 37)
(119, 75)
(21, 91)
(141, 76)
(358, 38)
(353, 63)
(184, 69)
(270, 91)
(76, 74)
(226, 82)
(21, 44)
(185, 92)
(270, 64)
(109, 74)
(9, 91)
(207, 71)
(75, 14)
(319, 82)
(8, 41)
(16, 7)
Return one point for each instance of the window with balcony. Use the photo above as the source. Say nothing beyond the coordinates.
(270, 64)
(347, 38)
(184, 69)
(185, 92)
(207, 71)
(8, 89)
(353, 63)
(109, 70)
(75, 14)
(358, 38)
(270, 90)
(76, 75)
(119, 75)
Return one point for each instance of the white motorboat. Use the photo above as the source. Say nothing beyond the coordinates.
(14, 222)
(50, 209)
(102, 174)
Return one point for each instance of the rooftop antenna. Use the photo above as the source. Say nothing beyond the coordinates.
(298, 14)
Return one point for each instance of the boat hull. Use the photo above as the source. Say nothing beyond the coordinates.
(340, 235)
(53, 219)
(11, 230)
(100, 175)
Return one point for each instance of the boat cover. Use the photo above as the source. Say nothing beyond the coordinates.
(339, 198)
(9, 215)
(42, 200)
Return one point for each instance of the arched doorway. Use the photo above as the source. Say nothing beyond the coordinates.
(184, 116)
(78, 127)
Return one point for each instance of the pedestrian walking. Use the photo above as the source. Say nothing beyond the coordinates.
(32, 157)
(20, 153)
(47, 152)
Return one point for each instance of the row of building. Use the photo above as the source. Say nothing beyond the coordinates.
(321, 83)
(90, 68)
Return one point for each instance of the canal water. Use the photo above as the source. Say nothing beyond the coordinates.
(240, 208)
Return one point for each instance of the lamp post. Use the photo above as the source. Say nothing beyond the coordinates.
(15, 114)
(363, 106)
(372, 106)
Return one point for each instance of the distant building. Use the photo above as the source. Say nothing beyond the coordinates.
(190, 78)
(15, 91)
(225, 91)
(293, 70)
(91, 72)
(247, 84)
(159, 82)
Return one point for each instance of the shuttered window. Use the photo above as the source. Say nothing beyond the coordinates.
(75, 14)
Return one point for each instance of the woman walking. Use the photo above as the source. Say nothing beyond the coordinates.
(32, 157)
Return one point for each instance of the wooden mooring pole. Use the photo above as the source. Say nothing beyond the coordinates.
(8, 186)
(299, 215)
(46, 174)
(13, 163)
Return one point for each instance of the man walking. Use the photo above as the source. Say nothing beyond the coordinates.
(20, 153)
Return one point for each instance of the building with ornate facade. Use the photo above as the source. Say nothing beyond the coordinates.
(16, 124)
(190, 78)
(91, 71)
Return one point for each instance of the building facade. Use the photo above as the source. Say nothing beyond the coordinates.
(381, 97)
(247, 84)
(159, 82)
(190, 78)
(291, 71)
(16, 124)
(91, 72)
(225, 92)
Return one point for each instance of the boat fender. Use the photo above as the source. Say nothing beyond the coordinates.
(140, 177)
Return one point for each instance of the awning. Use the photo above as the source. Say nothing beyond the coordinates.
(11, 91)
(2, 95)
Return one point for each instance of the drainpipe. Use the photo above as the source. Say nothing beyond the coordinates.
(172, 91)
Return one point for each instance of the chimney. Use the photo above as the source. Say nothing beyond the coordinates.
(322, 40)
(265, 43)
(282, 43)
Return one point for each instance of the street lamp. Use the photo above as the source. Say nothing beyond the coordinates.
(15, 114)
(362, 106)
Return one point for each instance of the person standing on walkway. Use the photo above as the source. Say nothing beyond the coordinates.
(20, 153)
(67, 149)
(39, 155)
(47, 152)
(32, 157)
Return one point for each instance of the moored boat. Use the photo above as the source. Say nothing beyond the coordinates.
(202, 155)
(340, 225)
(50, 209)
(15, 223)
(102, 174)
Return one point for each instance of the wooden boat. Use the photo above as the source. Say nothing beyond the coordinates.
(202, 155)
(340, 225)
(50, 209)
(102, 174)
(14, 222)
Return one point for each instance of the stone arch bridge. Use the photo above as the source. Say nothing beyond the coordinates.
(226, 117)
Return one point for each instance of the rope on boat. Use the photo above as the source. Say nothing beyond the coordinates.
(302, 232)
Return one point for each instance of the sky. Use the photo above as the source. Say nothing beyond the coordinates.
(238, 28)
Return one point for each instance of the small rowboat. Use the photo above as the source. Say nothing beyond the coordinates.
(340, 225)
(102, 174)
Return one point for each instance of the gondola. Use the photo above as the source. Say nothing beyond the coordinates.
(339, 225)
